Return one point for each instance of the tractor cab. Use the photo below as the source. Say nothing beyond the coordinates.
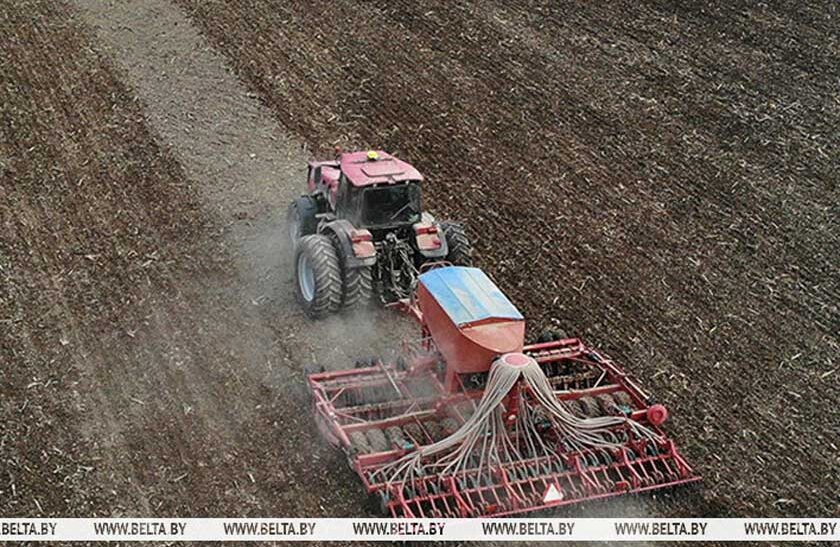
(376, 190)
(381, 206)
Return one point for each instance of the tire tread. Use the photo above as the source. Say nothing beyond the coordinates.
(460, 249)
(325, 267)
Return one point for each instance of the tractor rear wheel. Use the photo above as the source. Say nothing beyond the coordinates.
(358, 287)
(318, 276)
(357, 283)
(460, 249)
(301, 219)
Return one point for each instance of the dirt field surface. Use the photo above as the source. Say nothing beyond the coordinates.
(152, 352)
(659, 178)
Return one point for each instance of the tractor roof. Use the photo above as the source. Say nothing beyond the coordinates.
(467, 295)
(362, 170)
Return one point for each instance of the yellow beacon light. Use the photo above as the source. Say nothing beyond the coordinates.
(372, 155)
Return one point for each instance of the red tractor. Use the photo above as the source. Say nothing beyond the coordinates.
(361, 234)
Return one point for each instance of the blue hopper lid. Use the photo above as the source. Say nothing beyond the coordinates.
(467, 295)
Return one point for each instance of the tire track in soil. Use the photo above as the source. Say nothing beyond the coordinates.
(221, 419)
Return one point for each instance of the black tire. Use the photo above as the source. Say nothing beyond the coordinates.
(551, 336)
(624, 402)
(460, 249)
(607, 404)
(574, 407)
(590, 407)
(317, 276)
(450, 426)
(359, 443)
(435, 430)
(357, 283)
(358, 287)
(415, 433)
(301, 219)
(377, 440)
(397, 437)
(623, 398)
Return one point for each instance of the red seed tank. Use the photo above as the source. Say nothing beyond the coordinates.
(471, 321)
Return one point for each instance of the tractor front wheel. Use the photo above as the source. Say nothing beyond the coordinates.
(301, 219)
(460, 249)
(318, 276)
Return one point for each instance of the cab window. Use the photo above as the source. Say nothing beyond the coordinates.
(391, 204)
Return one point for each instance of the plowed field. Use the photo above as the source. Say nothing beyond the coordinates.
(660, 178)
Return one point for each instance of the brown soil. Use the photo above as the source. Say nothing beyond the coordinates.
(658, 178)
(661, 179)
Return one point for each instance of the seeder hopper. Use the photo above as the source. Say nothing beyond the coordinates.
(468, 421)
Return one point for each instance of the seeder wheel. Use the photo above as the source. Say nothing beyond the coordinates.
(607, 404)
(359, 443)
(395, 434)
(589, 407)
(377, 440)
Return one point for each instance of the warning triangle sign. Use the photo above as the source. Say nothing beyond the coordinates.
(552, 494)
